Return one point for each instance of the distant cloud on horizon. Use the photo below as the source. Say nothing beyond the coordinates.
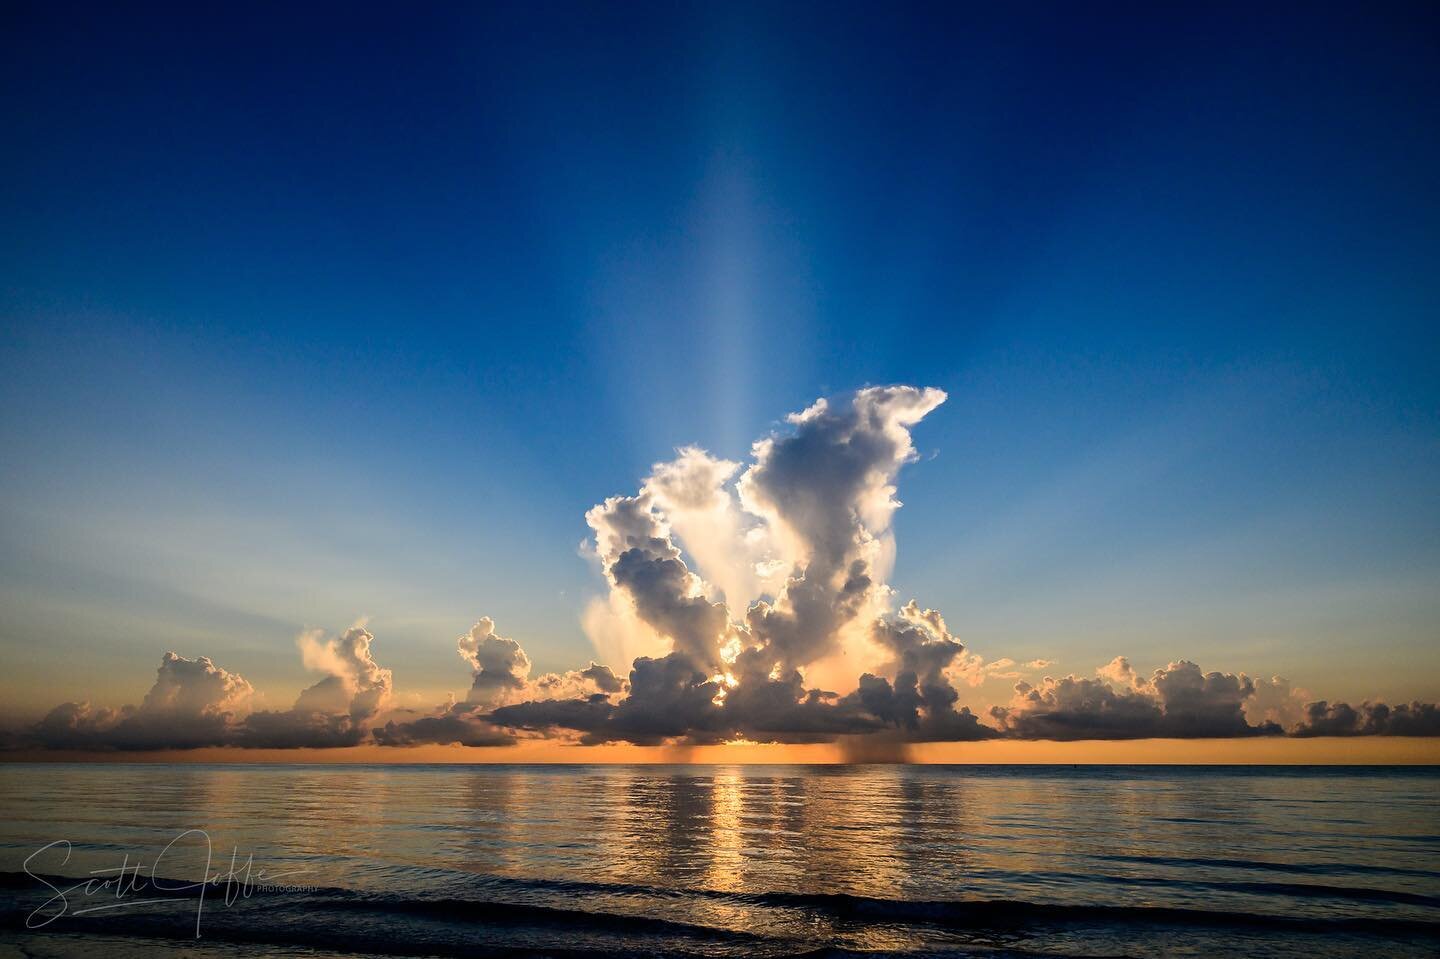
(738, 596)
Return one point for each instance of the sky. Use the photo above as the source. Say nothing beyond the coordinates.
(329, 317)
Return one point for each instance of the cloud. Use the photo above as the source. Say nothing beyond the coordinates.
(1077, 708)
(745, 602)
(732, 549)
(973, 670)
(1276, 701)
(579, 682)
(1179, 701)
(1198, 705)
(356, 684)
(1119, 671)
(1370, 719)
(501, 675)
(451, 724)
(817, 502)
(670, 698)
(501, 666)
(81, 726)
(643, 564)
(297, 729)
(919, 698)
(827, 490)
(193, 703)
(616, 630)
(334, 711)
(189, 688)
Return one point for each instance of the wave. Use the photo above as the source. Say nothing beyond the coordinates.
(969, 913)
(1299, 869)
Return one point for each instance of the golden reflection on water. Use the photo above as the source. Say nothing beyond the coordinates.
(727, 851)
(883, 832)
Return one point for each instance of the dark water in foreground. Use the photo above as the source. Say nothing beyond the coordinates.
(732, 860)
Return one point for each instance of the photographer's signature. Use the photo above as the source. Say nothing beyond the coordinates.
(129, 885)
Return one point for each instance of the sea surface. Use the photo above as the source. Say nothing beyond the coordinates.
(719, 860)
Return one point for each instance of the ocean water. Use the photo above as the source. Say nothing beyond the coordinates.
(719, 860)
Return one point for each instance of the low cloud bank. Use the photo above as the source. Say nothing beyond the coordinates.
(747, 592)
(1177, 702)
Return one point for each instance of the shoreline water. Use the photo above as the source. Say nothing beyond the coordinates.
(728, 860)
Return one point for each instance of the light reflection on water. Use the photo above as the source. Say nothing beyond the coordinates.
(1318, 844)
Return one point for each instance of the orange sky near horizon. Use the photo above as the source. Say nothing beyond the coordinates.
(1367, 750)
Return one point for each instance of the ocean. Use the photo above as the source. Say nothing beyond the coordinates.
(719, 861)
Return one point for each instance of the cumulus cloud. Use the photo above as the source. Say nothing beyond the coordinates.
(579, 682)
(1277, 701)
(745, 602)
(807, 525)
(1370, 719)
(643, 564)
(193, 703)
(1119, 671)
(501, 666)
(335, 711)
(1179, 701)
(501, 671)
(1077, 708)
(827, 489)
(816, 501)
(732, 549)
(356, 684)
(919, 696)
(758, 699)
(974, 670)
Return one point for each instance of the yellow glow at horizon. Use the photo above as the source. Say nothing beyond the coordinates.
(1359, 750)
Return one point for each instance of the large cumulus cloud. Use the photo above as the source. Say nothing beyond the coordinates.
(745, 602)
(804, 529)
(816, 502)
(827, 489)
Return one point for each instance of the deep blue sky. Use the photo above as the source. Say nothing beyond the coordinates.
(317, 312)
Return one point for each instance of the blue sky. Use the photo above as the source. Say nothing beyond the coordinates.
(325, 313)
